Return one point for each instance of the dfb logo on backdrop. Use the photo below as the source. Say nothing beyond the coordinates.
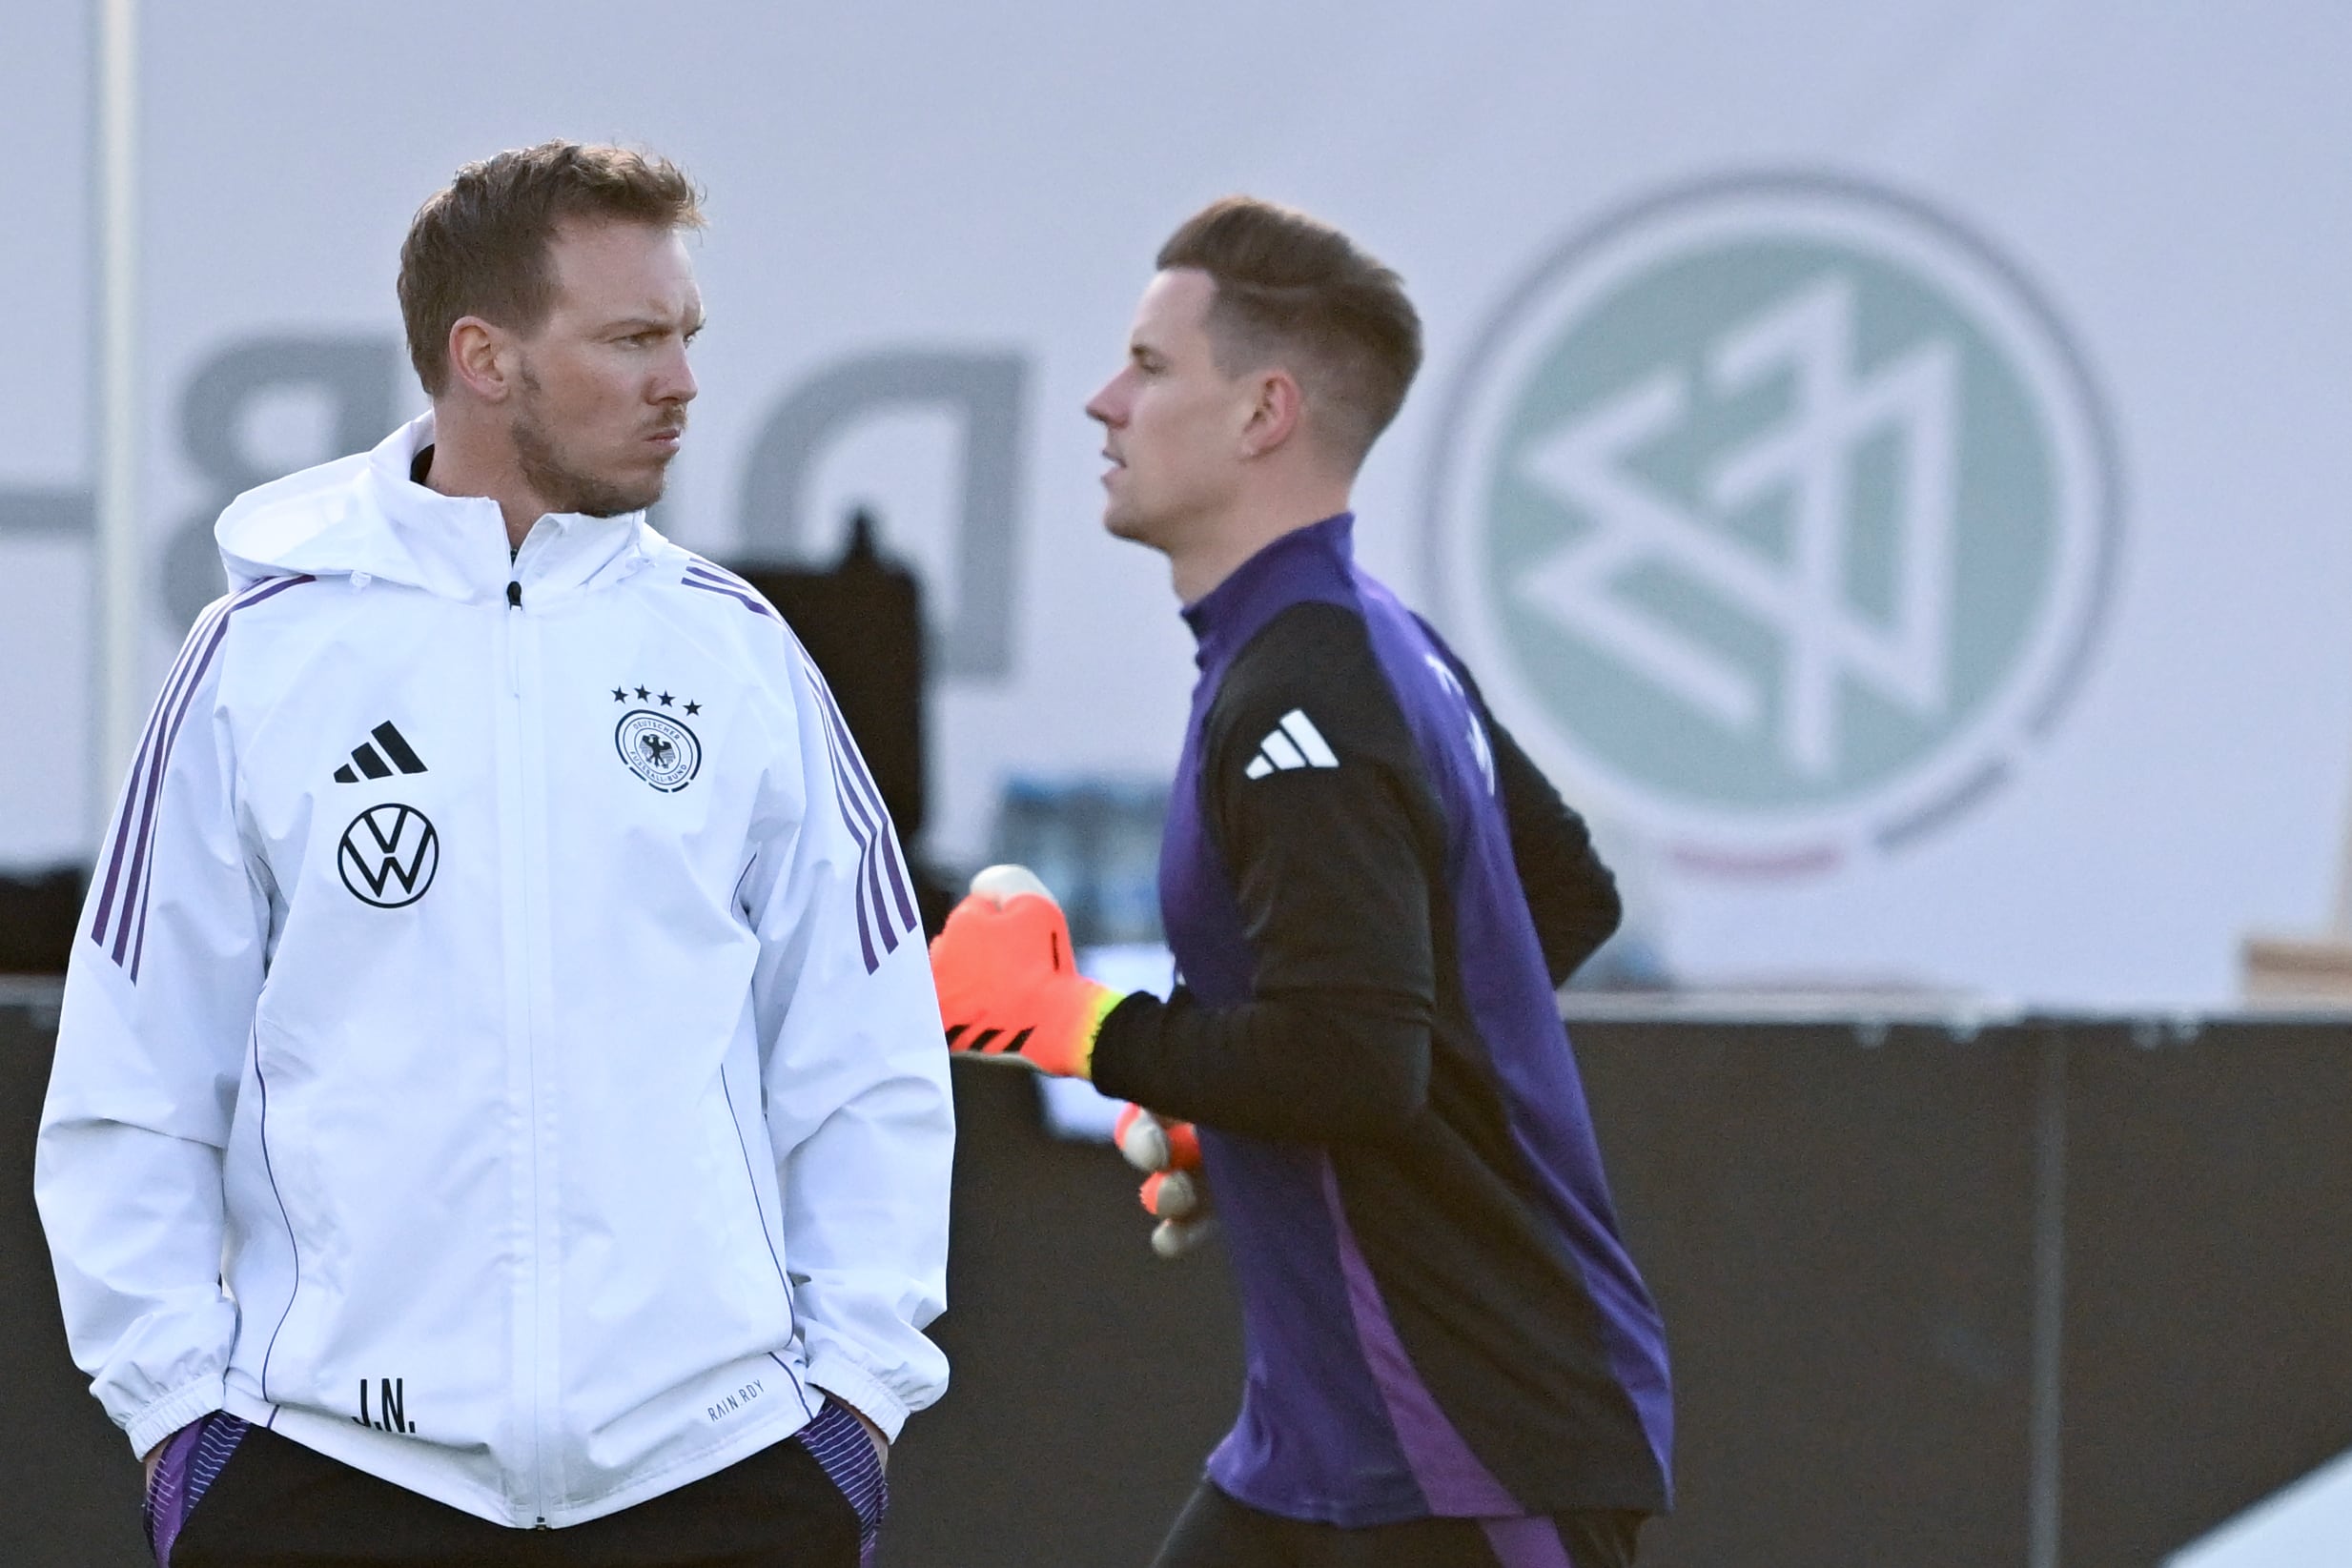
(1779, 514)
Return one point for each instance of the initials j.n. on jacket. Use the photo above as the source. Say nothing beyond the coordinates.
(499, 1049)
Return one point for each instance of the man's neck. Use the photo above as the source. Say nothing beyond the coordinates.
(466, 465)
(1223, 546)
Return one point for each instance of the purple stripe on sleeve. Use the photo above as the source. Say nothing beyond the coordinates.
(877, 830)
(704, 566)
(703, 572)
(853, 816)
(870, 874)
(897, 878)
(890, 838)
(858, 794)
(710, 584)
(837, 756)
(145, 838)
(1529, 1541)
(716, 572)
(1452, 1479)
(142, 869)
(860, 803)
(126, 815)
(196, 657)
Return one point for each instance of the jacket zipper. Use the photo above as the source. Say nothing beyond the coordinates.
(514, 691)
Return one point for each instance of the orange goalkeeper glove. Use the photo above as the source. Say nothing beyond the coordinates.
(1176, 1192)
(1008, 986)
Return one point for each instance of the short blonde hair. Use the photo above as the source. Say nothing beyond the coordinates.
(479, 246)
(1294, 290)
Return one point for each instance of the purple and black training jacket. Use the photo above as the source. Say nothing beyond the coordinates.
(1371, 894)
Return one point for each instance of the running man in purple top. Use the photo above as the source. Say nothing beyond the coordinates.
(1371, 894)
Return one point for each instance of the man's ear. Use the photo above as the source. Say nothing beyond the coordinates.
(482, 356)
(1277, 414)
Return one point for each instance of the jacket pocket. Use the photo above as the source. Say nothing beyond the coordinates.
(837, 1441)
(275, 1185)
(193, 1460)
(749, 1203)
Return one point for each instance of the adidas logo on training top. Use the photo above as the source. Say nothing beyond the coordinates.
(371, 763)
(1294, 742)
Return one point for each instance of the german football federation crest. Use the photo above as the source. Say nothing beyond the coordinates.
(1779, 513)
(658, 749)
(388, 855)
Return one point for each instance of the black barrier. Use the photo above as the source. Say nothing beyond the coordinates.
(1090, 1377)
(2054, 1292)
(1840, 1239)
(37, 913)
(71, 1485)
(2208, 1345)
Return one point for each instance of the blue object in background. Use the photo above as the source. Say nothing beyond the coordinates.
(1095, 842)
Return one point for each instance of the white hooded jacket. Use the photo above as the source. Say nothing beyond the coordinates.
(499, 1051)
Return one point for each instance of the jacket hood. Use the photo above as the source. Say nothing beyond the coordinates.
(362, 518)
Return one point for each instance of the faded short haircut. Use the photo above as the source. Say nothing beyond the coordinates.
(481, 245)
(1294, 290)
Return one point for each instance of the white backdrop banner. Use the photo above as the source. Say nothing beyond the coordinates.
(1888, 462)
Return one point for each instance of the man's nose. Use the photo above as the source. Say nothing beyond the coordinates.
(677, 384)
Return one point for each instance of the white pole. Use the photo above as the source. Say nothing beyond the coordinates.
(2343, 883)
(122, 543)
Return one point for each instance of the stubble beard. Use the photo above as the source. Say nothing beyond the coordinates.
(563, 487)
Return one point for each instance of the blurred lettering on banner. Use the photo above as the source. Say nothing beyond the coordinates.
(1887, 465)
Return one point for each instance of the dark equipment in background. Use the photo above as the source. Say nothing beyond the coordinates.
(862, 621)
(37, 913)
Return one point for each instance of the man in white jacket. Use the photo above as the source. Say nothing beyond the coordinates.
(498, 1113)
